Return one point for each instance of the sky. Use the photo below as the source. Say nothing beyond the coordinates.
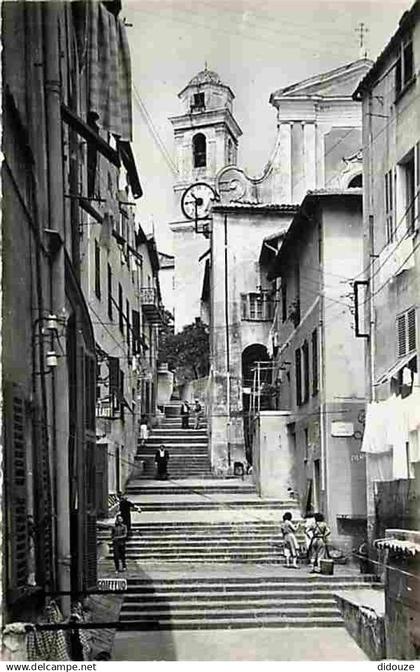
(256, 46)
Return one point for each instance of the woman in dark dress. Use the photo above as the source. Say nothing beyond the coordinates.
(185, 414)
(162, 459)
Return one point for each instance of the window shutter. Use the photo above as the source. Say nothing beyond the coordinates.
(136, 331)
(305, 353)
(411, 329)
(97, 270)
(91, 552)
(401, 335)
(43, 504)
(298, 376)
(315, 362)
(121, 395)
(417, 186)
(17, 504)
(114, 381)
(101, 473)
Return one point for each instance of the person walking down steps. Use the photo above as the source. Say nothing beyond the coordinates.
(288, 530)
(125, 510)
(119, 538)
(185, 415)
(162, 459)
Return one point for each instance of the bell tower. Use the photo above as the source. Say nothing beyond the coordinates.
(206, 140)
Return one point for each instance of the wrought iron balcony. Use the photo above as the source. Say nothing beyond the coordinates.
(150, 305)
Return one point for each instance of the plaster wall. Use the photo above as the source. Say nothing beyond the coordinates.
(326, 243)
(245, 230)
(272, 456)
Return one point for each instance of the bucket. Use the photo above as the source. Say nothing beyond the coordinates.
(327, 567)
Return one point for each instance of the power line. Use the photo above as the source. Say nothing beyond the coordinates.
(152, 128)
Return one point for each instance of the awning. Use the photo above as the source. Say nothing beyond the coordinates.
(396, 368)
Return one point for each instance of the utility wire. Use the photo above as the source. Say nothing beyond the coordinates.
(152, 128)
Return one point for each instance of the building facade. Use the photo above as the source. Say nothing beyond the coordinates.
(59, 138)
(206, 140)
(318, 145)
(313, 430)
(121, 285)
(391, 139)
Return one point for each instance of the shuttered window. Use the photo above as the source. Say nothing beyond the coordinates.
(256, 306)
(417, 186)
(314, 362)
(120, 308)
(411, 329)
(127, 313)
(406, 332)
(97, 270)
(90, 391)
(305, 359)
(91, 552)
(114, 382)
(283, 299)
(16, 492)
(135, 315)
(390, 179)
(298, 376)
(42, 504)
(109, 292)
(122, 402)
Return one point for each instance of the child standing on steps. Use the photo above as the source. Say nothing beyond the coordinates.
(288, 530)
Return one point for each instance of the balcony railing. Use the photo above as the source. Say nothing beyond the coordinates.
(257, 307)
(150, 304)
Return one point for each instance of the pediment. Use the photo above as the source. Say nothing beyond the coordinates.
(340, 82)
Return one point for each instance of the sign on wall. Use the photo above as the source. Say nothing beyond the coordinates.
(339, 428)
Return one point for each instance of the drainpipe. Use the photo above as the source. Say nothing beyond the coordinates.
(227, 343)
(60, 404)
(370, 503)
(322, 422)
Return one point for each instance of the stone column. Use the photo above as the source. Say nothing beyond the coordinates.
(285, 162)
(309, 137)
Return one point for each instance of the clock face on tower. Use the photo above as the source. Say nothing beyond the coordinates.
(197, 200)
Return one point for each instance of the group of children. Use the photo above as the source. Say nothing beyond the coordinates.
(316, 534)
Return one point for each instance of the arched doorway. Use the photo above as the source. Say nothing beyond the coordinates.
(256, 372)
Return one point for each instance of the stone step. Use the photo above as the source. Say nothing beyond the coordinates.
(177, 423)
(225, 582)
(187, 546)
(175, 449)
(249, 596)
(204, 505)
(248, 555)
(191, 527)
(227, 623)
(138, 488)
(199, 606)
(216, 612)
(171, 440)
(179, 431)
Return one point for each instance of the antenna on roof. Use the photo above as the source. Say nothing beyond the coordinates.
(362, 32)
(205, 65)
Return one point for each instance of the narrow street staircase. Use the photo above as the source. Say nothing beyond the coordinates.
(207, 553)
